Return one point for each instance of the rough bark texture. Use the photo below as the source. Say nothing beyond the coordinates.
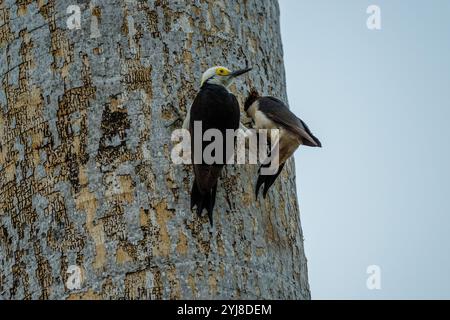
(85, 172)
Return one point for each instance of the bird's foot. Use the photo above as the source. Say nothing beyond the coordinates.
(173, 122)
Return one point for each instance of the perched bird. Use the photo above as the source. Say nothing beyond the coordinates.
(271, 113)
(216, 108)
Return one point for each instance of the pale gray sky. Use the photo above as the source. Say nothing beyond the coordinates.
(378, 193)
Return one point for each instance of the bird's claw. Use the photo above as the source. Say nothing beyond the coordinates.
(173, 122)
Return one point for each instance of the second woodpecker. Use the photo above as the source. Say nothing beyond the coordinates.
(216, 108)
(271, 113)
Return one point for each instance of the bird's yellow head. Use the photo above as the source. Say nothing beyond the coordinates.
(221, 76)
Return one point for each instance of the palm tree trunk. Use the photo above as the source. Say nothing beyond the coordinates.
(86, 179)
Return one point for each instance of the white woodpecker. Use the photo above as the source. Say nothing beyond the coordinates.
(271, 113)
(217, 108)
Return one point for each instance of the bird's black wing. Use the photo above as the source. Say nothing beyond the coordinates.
(217, 109)
(219, 106)
(278, 112)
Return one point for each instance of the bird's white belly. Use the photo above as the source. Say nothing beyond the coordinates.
(262, 122)
(288, 142)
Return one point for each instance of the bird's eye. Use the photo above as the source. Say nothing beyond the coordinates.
(222, 72)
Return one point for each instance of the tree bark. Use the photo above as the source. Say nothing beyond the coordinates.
(86, 177)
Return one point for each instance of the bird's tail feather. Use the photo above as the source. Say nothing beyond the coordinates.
(203, 201)
(267, 180)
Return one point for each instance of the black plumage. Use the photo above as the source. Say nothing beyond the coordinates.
(216, 108)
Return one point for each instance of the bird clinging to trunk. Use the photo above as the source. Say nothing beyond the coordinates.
(271, 113)
(216, 108)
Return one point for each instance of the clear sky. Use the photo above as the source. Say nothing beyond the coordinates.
(378, 193)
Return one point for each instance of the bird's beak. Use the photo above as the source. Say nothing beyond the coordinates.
(240, 72)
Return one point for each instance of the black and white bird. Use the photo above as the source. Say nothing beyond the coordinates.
(217, 108)
(271, 113)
